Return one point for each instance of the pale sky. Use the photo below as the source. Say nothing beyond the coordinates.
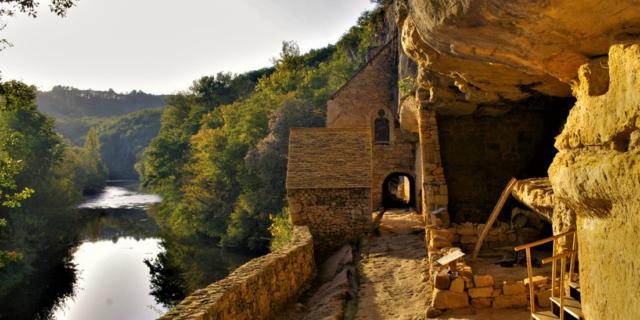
(161, 46)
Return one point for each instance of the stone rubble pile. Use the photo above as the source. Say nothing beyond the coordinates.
(456, 286)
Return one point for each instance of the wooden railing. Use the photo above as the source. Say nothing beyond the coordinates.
(555, 256)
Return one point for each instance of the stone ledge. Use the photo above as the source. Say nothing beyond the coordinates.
(257, 289)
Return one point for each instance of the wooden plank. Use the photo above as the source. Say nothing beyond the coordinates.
(494, 215)
(544, 315)
(451, 257)
(571, 306)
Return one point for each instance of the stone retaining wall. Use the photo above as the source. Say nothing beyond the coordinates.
(257, 289)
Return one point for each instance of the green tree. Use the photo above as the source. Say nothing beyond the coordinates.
(219, 160)
(38, 173)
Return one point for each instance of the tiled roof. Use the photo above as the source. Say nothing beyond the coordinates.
(329, 158)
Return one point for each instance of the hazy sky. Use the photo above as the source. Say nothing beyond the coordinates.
(161, 46)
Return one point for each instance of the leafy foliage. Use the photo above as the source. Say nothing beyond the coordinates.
(219, 160)
(281, 230)
(39, 176)
(123, 140)
(30, 7)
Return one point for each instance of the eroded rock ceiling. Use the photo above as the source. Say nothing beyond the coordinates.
(474, 52)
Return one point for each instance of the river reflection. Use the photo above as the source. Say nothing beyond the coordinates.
(124, 267)
(113, 282)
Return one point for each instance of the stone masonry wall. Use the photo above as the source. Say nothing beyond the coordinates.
(387, 159)
(334, 216)
(257, 289)
(481, 153)
(435, 193)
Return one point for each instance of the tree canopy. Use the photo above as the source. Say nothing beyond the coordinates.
(219, 160)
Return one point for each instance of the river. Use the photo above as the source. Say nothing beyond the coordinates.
(123, 267)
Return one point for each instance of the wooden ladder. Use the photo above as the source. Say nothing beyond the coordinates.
(562, 306)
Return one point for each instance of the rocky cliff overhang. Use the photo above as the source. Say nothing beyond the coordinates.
(483, 52)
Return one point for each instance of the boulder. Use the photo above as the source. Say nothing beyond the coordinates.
(445, 299)
(335, 263)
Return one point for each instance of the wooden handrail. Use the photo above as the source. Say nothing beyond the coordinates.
(563, 266)
(543, 241)
(558, 256)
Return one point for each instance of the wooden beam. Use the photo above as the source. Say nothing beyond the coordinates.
(494, 215)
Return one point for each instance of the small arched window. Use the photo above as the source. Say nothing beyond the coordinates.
(381, 128)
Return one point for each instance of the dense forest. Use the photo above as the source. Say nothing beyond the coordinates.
(219, 160)
(69, 102)
(41, 176)
(217, 155)
(125, 123)
(123, 140)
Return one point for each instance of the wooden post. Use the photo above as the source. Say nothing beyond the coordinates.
(563, 266)
(553, 270)
(532, 298)
(574, 248)
(494, 215)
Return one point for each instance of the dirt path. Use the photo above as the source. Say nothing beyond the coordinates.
(391, 269)
(391, 276)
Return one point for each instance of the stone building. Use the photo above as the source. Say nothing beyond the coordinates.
(329, 183)
(368, 100)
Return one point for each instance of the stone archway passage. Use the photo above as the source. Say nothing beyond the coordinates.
(399, 191)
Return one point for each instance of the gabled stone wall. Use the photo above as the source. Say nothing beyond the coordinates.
(356, 105)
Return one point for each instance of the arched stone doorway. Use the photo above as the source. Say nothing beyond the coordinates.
(398, 191)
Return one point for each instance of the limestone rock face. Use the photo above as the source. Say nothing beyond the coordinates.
(597, 174)
(537, 194)
(409, 114)
(480, 51)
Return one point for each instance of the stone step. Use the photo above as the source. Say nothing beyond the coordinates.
(544, 315)
(571, 307)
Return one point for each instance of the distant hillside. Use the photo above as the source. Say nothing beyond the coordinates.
(123, 140)
(69, 102)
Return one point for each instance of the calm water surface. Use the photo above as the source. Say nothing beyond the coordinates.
(124, 267)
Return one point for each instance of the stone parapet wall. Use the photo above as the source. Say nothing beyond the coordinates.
(257, 289)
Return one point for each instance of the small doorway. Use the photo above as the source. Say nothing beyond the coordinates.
(398, 191)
